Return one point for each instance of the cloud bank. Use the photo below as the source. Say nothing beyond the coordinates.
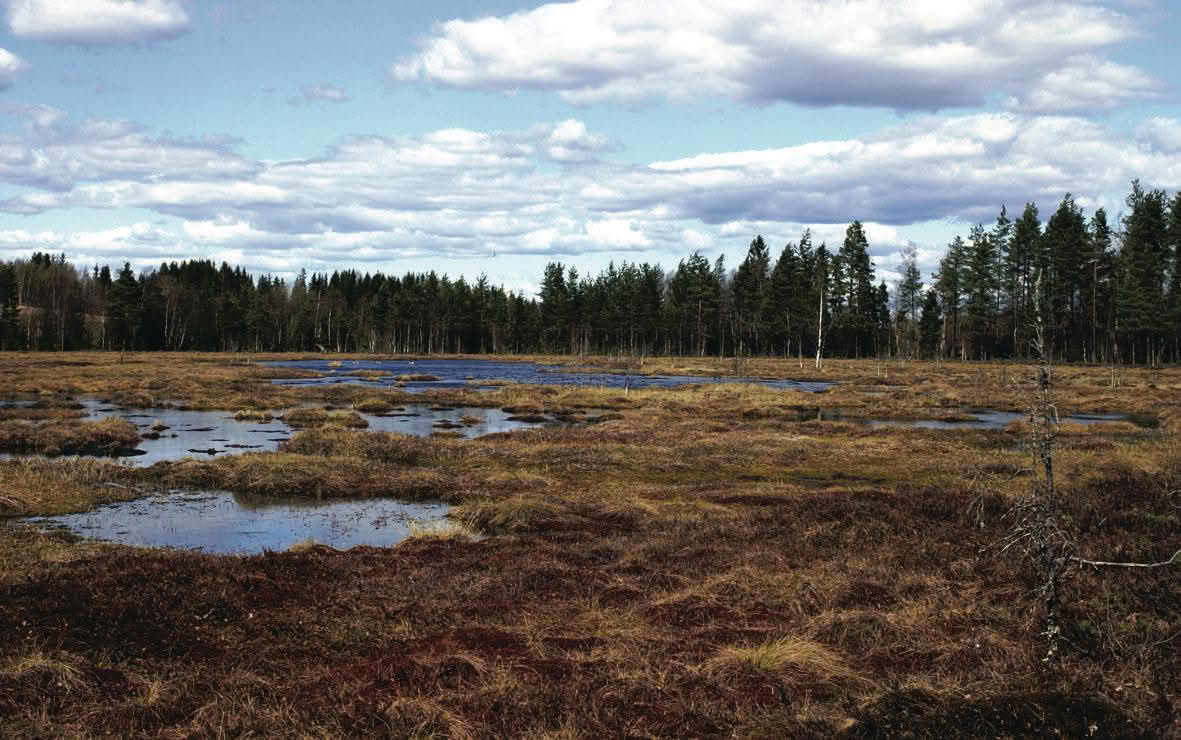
(903, 54)
(543, 191)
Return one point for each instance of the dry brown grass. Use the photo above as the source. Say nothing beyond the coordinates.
(68, 437)
(300, 418)
(47, 487)
(705, 563)
(374, 406)
(253, 415)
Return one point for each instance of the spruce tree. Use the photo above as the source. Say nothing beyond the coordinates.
(930, 324)
(979, 287)
(9, 310)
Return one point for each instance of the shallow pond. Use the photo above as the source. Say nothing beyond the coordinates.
(204, 434)
(220, 522)
(979, 419)
(470, 373)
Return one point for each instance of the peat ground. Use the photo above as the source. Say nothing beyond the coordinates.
(701, 563)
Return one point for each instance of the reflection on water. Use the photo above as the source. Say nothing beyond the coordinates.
(203, 434)
(469, 374)
(220, 522)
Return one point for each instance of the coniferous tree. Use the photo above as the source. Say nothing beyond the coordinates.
(1144, 266)
(784, 283)
(123, 308)
(751, 295)
(949, 282)
(1019, 270)
(979, 288)
(931, 324)
(9, 310)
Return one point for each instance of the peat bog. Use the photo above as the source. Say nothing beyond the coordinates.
(713, 559)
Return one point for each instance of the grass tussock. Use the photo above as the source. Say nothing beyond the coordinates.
(374, 406)
(440, 530)
(371, 374)
(787, 654)
(39, 413)
(48, 487)
(306, 476)
(416, 378)
(68, 437)
(515, 514)
(258, 415)
(385, 447)
(302, 418)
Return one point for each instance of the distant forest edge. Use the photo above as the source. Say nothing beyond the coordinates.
(1105, 293)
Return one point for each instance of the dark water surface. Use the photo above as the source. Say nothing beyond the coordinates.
(470, 373)
(220, 522)
(204, 434)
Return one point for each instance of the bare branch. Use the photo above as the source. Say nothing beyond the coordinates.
(1106, 564)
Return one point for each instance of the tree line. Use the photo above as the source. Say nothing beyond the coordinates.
(1105, 293)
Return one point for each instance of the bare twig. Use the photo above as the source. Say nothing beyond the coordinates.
(1175, 560)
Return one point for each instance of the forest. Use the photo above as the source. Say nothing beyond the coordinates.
(1107, 292)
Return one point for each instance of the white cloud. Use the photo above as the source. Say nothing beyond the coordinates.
(97, 21)
(10, 66)
(907, 55)
(1087, 84)
(616, 232)
(569, 141)
(55, 156)
(1161, 134)
(462, 194)
(324, 93)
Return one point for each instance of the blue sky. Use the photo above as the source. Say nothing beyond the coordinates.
(475, 137)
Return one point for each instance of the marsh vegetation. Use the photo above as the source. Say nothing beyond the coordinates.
(704, 560)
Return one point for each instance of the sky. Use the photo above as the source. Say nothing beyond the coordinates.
(494, 137)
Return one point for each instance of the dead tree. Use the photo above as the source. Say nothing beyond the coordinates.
(1038, 527)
